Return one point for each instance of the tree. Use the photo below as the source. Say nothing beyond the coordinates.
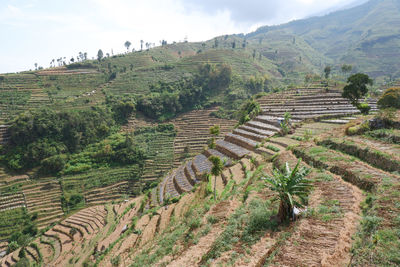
(346, 68)
(99, 55)
(141, 45)
(356, 87)
(292, 187)
(327, 71)
(36, 66)
(127, 45)
(215, 131)
(234, 44)
(2, 80)
(216, 170)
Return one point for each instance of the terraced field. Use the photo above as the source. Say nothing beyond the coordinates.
(19, 92)
(44, 198)
(194, 132)
(255, 135)
(138, 232)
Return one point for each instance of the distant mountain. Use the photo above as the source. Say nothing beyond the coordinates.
(366, 36)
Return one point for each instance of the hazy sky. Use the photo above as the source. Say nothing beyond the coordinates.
(40, 30)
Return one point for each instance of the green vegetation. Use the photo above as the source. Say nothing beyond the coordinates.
(247, 225)
(248, 111)
(355, 89)
(17, 226)
(292, 188)
(166, 100)
(285, 124)
(390, 98)
(216, 170)
(387, 135)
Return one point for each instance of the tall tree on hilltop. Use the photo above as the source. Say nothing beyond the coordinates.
(141, 45)
(346, 68)
(100, 55)
(127, 45)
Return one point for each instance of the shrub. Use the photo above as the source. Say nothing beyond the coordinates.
(53, 165)
(12, 246)
(390, 99)
(364, 108)
(248, 111)
(116, 260)
(354, 129)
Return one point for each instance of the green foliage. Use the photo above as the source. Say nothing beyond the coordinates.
(71, 201)
(285, 124)
(292, 187)
(248, 111)
(115, 261)
(17, 225)
(216, 170)
(166, 100)
(12, 246)
(122, 108)
(390, 99)
(357, 129)
(215, 130)
(257, 84)
(37, 135)
(356, 87)
(386, 135)
(364, 108)
(53, 165)
(272, 147)
(327, 71)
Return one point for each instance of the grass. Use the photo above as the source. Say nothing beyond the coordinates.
(329, 210)
(247, 225)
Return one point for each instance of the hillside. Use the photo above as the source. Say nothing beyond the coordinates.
(366, 36)
(107, 162)
(179, 223)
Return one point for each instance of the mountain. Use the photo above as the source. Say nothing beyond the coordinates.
(366, 36)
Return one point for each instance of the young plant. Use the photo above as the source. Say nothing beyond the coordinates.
(292, 187)
(216, 170)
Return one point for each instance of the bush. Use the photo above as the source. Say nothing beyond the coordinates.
(390, 99)
(53, 165)
(248, 111)
(354, 129)
(12, 246)
(364, 108)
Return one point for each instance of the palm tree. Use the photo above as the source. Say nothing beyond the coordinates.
(216, 170)
(292, 187)
(127, 45)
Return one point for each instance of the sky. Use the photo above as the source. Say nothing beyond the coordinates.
(37, 31)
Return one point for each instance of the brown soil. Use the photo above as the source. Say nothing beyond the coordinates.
(165, 217)
(150, 230)
(183, 204)
(237, 173)
(193, 255)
